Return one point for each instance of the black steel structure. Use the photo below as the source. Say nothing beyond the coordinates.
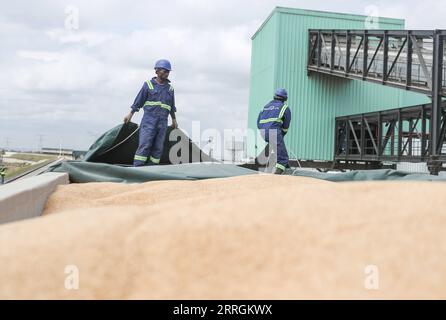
(406, 59)
(402, 134)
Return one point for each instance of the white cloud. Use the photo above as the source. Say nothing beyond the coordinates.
(45, 56)
(58, 71)
(89, 39)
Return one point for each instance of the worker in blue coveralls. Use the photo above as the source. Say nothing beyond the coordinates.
(274, 121)
(158, 99)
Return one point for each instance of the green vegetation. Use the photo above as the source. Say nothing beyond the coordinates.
(31, 156)
(12, 172)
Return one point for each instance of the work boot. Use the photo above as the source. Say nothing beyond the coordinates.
(278, 171)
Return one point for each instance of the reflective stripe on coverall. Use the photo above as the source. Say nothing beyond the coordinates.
(158, 101)
(275, 116)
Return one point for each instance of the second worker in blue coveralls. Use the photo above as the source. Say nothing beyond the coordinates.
(273, 122)
(158, 100)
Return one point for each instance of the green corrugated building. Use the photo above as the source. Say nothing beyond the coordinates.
(279, 59)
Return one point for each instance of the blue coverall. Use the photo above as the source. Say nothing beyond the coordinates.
(158, 101)
(276, 115)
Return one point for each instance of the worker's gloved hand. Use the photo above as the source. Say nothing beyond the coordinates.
(128, 117)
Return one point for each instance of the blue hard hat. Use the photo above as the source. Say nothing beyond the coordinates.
(281, 93)
(164, 64)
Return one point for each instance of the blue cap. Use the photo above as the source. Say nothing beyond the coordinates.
(281, 93)
(163, 64)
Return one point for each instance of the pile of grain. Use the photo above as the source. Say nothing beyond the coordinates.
(251, 237)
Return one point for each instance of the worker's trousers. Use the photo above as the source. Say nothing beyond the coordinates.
(152, 133)
(274, 137)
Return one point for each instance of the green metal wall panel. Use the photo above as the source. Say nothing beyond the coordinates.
(317, 99)
(262, 76)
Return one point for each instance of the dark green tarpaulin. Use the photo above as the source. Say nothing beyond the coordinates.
(109, 159)
(81, 172)
(365, 175)
(118, 146)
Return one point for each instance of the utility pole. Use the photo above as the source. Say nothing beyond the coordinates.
(40, 143)
(233, 149)
(7, 141)
(211, 148)
(245, 148)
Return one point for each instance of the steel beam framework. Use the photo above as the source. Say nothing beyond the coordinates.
(405, 59)
(403, 134)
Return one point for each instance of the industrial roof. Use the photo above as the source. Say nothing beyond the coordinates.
(327, 14)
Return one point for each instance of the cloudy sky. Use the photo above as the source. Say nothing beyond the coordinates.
(63, 82)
